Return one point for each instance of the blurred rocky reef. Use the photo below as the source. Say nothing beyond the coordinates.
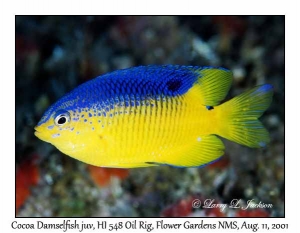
(54, 54)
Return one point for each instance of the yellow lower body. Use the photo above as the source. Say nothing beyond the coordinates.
(164, 133)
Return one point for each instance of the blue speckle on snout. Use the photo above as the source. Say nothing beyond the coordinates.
(55, 135)
(50, 127)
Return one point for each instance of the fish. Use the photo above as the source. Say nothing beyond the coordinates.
(155, 115)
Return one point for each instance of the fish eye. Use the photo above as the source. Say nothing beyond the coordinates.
(62, 119)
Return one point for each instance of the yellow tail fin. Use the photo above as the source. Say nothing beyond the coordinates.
(238, 118)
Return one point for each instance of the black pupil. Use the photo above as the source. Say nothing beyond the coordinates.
(62, 120)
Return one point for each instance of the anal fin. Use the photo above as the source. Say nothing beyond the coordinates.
(203, 151)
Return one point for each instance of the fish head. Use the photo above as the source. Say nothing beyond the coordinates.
(61, 127)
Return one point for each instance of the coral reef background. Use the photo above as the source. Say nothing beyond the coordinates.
(54, 54)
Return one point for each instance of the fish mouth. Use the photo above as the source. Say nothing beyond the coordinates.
(37, 133)
(36, 128)
(41, 134)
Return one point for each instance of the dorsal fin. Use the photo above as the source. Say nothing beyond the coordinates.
(213, 84)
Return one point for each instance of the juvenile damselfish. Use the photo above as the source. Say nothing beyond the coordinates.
(155, 115)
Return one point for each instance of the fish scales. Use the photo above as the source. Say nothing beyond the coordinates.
(155, 115)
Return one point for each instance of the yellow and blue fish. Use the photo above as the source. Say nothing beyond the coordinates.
(155, 115)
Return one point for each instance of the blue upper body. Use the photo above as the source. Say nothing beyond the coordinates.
(137, 83)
